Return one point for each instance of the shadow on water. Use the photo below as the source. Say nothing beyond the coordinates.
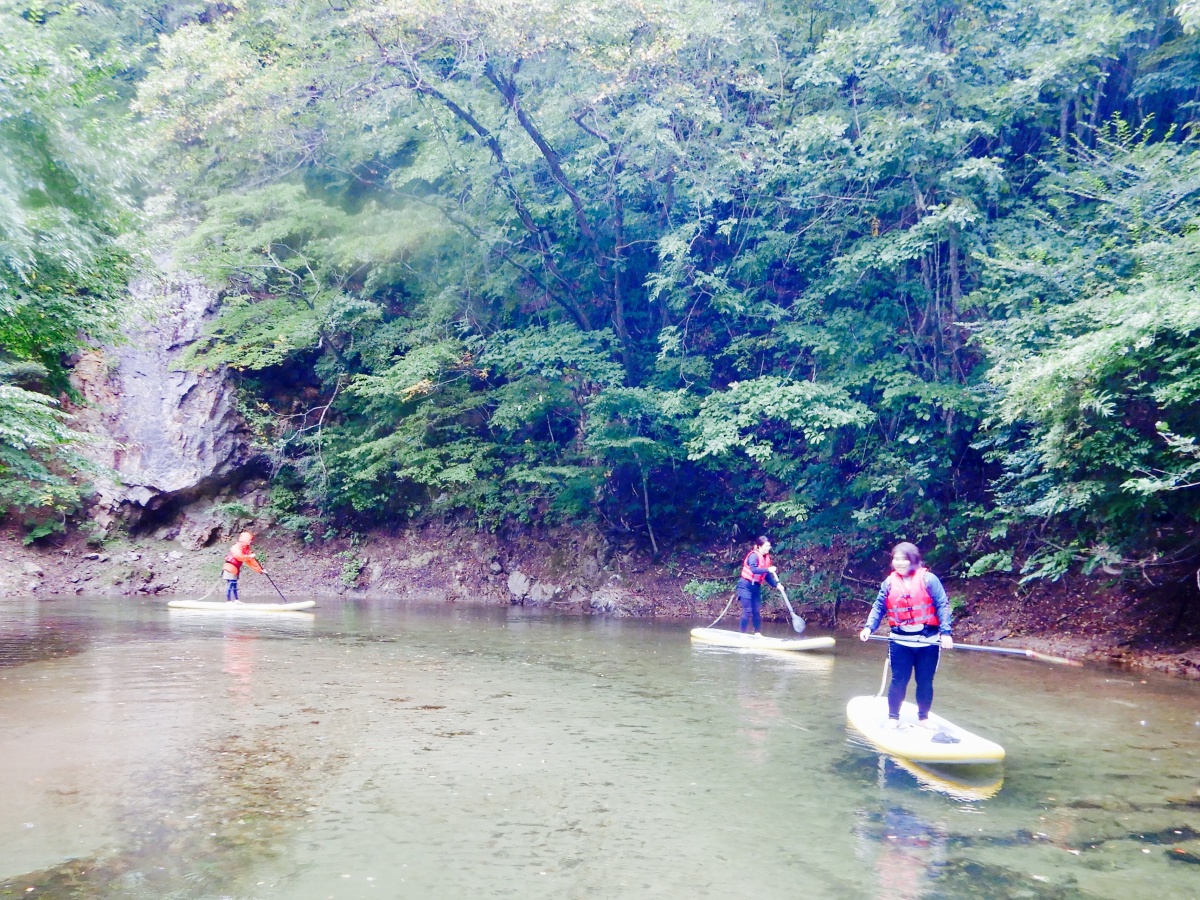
(43, 641)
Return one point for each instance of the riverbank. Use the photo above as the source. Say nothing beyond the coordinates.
(580, 571)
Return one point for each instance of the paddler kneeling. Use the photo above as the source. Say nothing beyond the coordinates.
(239, 554)
(756, 568)
(917, 608)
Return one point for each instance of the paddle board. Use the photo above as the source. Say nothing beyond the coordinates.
(966, 783)
(868, 716)
(725, 638)
(235, 608)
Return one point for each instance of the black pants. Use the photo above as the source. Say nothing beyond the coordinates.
(750, 596)
(906, 662)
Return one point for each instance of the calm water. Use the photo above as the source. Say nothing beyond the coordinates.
(404, 751)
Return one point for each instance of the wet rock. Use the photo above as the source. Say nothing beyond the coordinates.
(91, 556)
(170, 433)
(174, 554)
(419, 561)
(34, 569)
(607, 599)
(543, 591)
(519, 584)
(496, 568)
(591, 571)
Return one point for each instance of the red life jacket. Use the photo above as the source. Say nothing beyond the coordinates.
(910, 607)
(233, 560)
(764, 562)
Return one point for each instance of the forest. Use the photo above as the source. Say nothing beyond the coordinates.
(851, 272)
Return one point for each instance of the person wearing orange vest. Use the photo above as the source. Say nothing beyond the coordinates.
(239, 554)
(756, 568)
(918, 613)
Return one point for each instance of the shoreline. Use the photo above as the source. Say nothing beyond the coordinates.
(576, 571)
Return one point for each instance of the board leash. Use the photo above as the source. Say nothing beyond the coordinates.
(725, 610)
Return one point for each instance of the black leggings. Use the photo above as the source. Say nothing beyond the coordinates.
(750, 595)
(907, 661)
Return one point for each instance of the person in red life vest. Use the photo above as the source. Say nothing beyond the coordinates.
(756, 568)
(916, 607)
(239, 554)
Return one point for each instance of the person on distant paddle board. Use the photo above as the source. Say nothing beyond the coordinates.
(919, 615)
(756, 568)
(239, 554)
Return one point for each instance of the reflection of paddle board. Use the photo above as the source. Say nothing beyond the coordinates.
(868, 716)
(241, 608)
(724, 638)
(962, 783)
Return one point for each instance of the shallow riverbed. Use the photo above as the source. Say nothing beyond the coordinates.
(391, 750)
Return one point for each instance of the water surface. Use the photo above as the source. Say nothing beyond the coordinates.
(386, 749)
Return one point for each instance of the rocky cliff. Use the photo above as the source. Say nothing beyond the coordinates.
(164, 435)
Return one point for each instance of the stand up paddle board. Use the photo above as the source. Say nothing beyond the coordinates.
(945, 744)
(724, 638)
(237, 608)
(966, 783)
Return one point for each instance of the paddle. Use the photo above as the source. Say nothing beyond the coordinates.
(797, 622)
(277, 590)
(1004, 651)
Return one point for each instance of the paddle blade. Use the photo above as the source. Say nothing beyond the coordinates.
(1056, 660)
(798, 623)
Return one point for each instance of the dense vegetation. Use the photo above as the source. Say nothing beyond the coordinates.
(858, 270)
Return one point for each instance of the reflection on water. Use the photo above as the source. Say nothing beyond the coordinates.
(405, 751)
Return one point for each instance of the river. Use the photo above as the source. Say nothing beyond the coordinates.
(381, 749)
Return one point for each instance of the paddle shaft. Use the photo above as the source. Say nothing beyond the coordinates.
(277, 590)
(1003, 651)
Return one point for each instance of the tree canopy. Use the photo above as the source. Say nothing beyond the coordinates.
(860, 271)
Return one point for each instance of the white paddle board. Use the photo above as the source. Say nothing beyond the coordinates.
(725, 638)
(237, 608)
(957, 746)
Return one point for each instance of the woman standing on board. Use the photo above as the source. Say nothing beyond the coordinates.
(917, 609)
(756, 568)
(239, 554)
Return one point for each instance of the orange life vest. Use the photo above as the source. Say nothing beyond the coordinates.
(240, 553)
(764, 562)
(913, 606)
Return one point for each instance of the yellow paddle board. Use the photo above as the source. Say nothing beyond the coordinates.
(945, 744)
(967, 783)
(238, 608)
(724, 638)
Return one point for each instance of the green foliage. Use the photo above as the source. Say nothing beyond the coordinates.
(63, 268)
(352, 566)
(865, 271)
(704, 591)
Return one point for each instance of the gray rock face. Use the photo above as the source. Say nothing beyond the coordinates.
(519, 584)
(170, 434)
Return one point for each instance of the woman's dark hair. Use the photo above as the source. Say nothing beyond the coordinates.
(904, 548)
(760, 540)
